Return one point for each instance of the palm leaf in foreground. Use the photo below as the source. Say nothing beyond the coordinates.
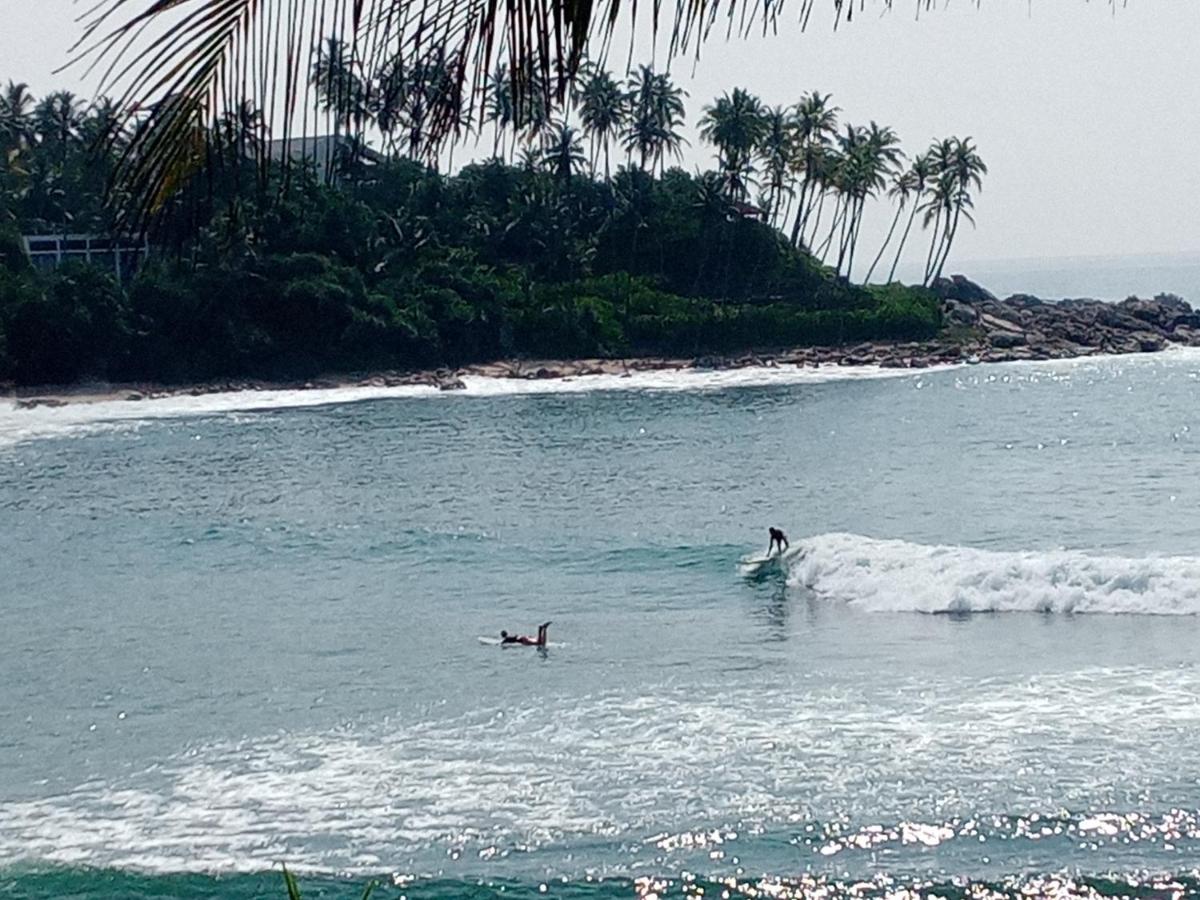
(177, 65)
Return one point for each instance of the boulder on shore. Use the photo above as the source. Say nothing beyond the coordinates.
(959, 287)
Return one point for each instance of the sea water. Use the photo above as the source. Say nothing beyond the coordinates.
(243, 631)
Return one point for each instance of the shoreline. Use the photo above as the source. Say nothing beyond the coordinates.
(977, 328)
(893, 359)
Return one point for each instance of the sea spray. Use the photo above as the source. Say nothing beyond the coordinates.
(898, 576)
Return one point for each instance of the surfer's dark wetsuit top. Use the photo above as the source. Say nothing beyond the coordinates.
(777, 537)
(525, 640)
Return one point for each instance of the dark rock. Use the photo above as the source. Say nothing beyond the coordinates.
(1149, 343)
(1188, 320)
(135, 396)
(1004, 340)
(1114, 318)
(452, 384)
(35, 402)
(545, 374)
(1025, 301)
(958, 313)
(957, 287)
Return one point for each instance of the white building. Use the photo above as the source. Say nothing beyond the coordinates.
(49, 251)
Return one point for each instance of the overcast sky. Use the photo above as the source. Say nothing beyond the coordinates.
(1087, 118)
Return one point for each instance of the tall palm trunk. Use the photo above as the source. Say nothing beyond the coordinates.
(787, 211)
(798, 226)
(934, 243)
(847, 231)
(808, 242)
(903, 240)
(951, 232)
(887, 240)
(862, 208)
(838, 212)
(855, 232)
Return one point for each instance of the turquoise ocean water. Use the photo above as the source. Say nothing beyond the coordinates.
(243, 631)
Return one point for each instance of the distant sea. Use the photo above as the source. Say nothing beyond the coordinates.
(1100, 277)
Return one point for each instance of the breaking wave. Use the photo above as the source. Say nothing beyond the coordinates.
(898, 576)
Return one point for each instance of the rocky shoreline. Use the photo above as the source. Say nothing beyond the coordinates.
(978, 328)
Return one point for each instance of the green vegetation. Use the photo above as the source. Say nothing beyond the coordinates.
(547, 250)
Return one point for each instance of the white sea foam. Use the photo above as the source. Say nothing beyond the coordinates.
(17, 425)
(625, 771)
(897, 576)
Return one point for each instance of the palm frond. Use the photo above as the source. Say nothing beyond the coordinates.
(175, 65)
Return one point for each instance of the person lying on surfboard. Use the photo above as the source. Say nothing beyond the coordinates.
(777, 538)
(524, 639)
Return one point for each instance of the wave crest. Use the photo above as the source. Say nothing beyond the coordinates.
(898, 576)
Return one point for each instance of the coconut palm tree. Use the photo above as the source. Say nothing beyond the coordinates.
(939, 199)
(57, 119)
(563, 155)
(874, 161)
(212, 54)
(499, 108)
(656, 115)
(339, 84)
(815, 122)
(735, 125)
(534, 108)
(965, 171)
(16, 124)
(777, 150)
(388, 97)
(921, 171)
(602, 112)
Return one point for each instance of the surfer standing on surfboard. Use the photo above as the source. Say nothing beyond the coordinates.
(524, 640)
(777, 538)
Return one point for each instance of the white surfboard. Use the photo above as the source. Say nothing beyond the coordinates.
(758, 565)
(769, 563)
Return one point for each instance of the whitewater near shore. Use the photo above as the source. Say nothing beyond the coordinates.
(243, 629)
(96, 408)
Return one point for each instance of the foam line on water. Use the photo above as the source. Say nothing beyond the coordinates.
(898, 576)
(17, 425)
(555, 774)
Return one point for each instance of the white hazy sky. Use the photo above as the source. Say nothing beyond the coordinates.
(1086, 117)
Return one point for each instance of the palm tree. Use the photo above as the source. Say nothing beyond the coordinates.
(499, 108)
(966, 170)
(875, 159)
(602, 112)
(16, 126)
(338, 82)
(234, 50)
(656, 115)
(815, 123)
(562, 154)
(939, 202)
(57, 119)
(921, 171)
(777, 149)
(534, 109)
(388, 97)
(735, 125)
